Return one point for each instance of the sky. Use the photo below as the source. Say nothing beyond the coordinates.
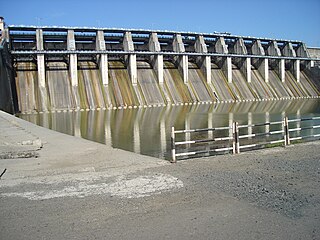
(281, 19)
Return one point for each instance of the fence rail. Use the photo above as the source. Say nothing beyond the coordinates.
(281, 136)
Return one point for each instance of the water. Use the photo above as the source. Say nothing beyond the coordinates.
(147, 130)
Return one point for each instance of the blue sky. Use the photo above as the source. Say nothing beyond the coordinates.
(286, 19)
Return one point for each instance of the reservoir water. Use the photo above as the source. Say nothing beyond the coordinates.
(147, 130)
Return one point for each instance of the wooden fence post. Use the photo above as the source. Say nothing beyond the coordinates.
(286, 131)
(235, 131)
(173, 146)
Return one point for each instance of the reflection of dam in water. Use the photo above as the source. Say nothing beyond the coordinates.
(60, 68)
(147, 130)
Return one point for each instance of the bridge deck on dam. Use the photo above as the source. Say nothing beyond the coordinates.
(60, 68)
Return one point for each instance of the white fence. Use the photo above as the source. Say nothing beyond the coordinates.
(236, 141)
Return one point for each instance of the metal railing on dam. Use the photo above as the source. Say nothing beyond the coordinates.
(235, 138)
(74, 68)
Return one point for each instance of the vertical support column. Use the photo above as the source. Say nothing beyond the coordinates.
(73, 60)
(43, 96)
(262, 64)
(102, 58)
(246, 68)
(227, 69)
(73, 67)
(203, 62)
(279, 65)
(288, 51)
(225, 62)
(156, 60)
(182, 61)
(281, 70)
(296, 69)
(131, 59)
(243, 63)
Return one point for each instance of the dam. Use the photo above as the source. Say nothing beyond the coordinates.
(110, 84)
(61, 68)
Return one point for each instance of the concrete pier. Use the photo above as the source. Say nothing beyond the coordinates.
(244, 64)
(73, 67)
(73, 60)
(43, 96)
(102, 58)
(131, 59)
(156, 60)
(294, 65)
(261, 64)
(225, 62)
(302, 51)
(204, 62)
(182, 61)
(278, 65)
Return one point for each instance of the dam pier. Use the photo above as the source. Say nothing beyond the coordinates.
(62, 68)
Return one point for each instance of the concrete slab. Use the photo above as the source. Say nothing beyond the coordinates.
(59, 153)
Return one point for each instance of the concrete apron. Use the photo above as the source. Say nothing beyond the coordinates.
(60, 165)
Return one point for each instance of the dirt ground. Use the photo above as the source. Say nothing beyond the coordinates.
(76, 189)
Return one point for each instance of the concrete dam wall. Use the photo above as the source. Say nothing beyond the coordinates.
(60, 68)
(7, 102)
